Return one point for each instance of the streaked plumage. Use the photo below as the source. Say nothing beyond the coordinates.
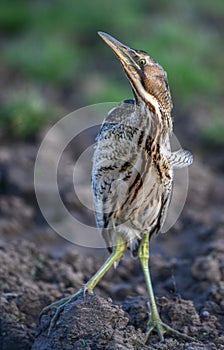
(132, 174)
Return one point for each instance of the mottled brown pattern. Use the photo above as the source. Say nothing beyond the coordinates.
(132, 175)
(131, 193)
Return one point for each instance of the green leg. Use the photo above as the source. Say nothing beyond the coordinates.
(115, 256)
(89, 286)
(155, 322)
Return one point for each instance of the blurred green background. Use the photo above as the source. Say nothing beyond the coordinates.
(53, 62)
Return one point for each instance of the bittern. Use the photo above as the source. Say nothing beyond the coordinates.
(132, 173)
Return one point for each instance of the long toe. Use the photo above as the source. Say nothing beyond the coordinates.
(161, 328)
(54, 305)
(59, 306)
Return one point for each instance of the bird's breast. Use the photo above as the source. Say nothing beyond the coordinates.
(131, 179)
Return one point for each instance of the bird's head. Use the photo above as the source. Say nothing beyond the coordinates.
(148, 79)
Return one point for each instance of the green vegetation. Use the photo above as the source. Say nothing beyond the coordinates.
(185, 52)
(43, 58)
(24, 113)
(55, 44)
(213, 133)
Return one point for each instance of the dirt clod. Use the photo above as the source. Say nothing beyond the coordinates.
(95, 322)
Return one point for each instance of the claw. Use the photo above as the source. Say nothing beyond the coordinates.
(52, 305)
(60, 305)
(161, 328)
(156, 324)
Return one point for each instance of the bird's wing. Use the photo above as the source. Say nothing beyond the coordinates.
(113, 160)
(180, 159)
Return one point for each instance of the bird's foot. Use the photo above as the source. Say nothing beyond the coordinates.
(60, 304)
(161, 328)
(156, 324)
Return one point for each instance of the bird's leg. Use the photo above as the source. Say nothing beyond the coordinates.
(117, 253)
(155, 322)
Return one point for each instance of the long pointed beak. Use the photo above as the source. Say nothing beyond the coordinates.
(122, 51)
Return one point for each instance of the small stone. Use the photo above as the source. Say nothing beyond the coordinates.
(205, 313)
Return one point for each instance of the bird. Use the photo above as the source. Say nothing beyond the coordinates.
(132, 173)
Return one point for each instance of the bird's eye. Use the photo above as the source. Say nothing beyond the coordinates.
(142, 61)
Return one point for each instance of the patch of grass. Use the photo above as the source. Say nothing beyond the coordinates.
(43, 57)
(184, 50)
(15, 15)
(56, 42)
(82, 18)
(25, 113)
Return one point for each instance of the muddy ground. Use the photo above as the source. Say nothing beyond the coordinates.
(37, 267)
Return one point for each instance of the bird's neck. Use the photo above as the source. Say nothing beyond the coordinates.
(158, 104)
(154, 113)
